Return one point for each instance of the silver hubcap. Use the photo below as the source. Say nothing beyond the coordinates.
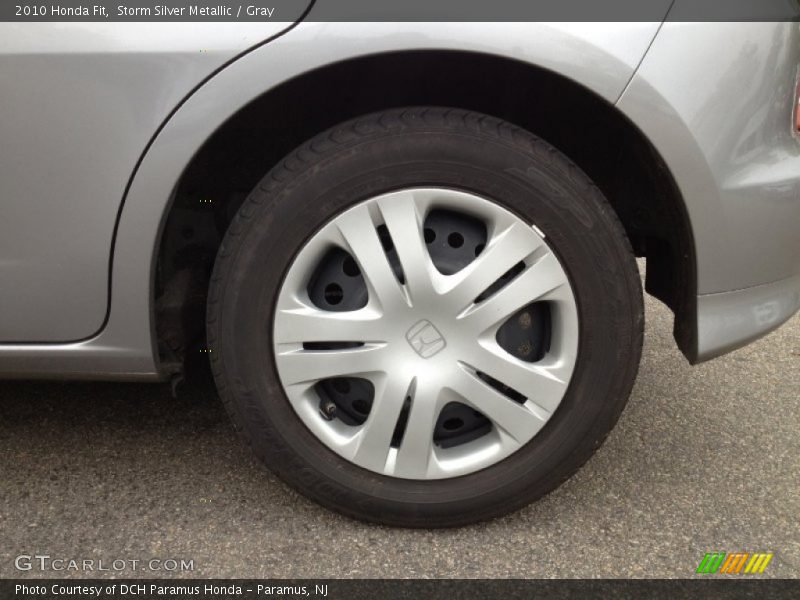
(426, 340)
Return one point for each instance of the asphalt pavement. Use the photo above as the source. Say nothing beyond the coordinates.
(704, 459)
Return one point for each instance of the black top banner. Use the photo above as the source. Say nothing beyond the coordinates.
(398, 10)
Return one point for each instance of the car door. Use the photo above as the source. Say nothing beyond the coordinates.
(80, 103)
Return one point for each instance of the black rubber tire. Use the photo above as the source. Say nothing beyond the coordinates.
(424, 147)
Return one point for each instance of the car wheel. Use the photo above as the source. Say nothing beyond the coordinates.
(425, 317)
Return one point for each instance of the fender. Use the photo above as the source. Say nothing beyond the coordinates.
(736, 166)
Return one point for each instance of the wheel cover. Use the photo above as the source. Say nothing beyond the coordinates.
(424, 341)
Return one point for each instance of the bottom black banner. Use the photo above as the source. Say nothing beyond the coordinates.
(386, 589)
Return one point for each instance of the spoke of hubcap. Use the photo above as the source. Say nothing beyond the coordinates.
(416, 450)
(517, 420)
(308, 324)
(506, 249)
(544, 276)
(375, 437)
(361, 237)
(405, 226)
(302, 366)
(542, 385)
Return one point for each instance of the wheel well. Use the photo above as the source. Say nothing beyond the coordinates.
(591, 131)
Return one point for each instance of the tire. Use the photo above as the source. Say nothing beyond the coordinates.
(408, 149)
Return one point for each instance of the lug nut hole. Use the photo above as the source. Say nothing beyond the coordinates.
(455, 239)
(453, 424)
(333, 294)
(341, 385)
(350, 267)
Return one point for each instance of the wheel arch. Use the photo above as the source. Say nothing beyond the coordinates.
(585, 126)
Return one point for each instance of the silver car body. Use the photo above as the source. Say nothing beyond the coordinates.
(90, 159)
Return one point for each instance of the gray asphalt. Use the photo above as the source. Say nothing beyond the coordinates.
(704, 459)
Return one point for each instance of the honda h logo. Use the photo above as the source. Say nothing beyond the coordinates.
(425, 339)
